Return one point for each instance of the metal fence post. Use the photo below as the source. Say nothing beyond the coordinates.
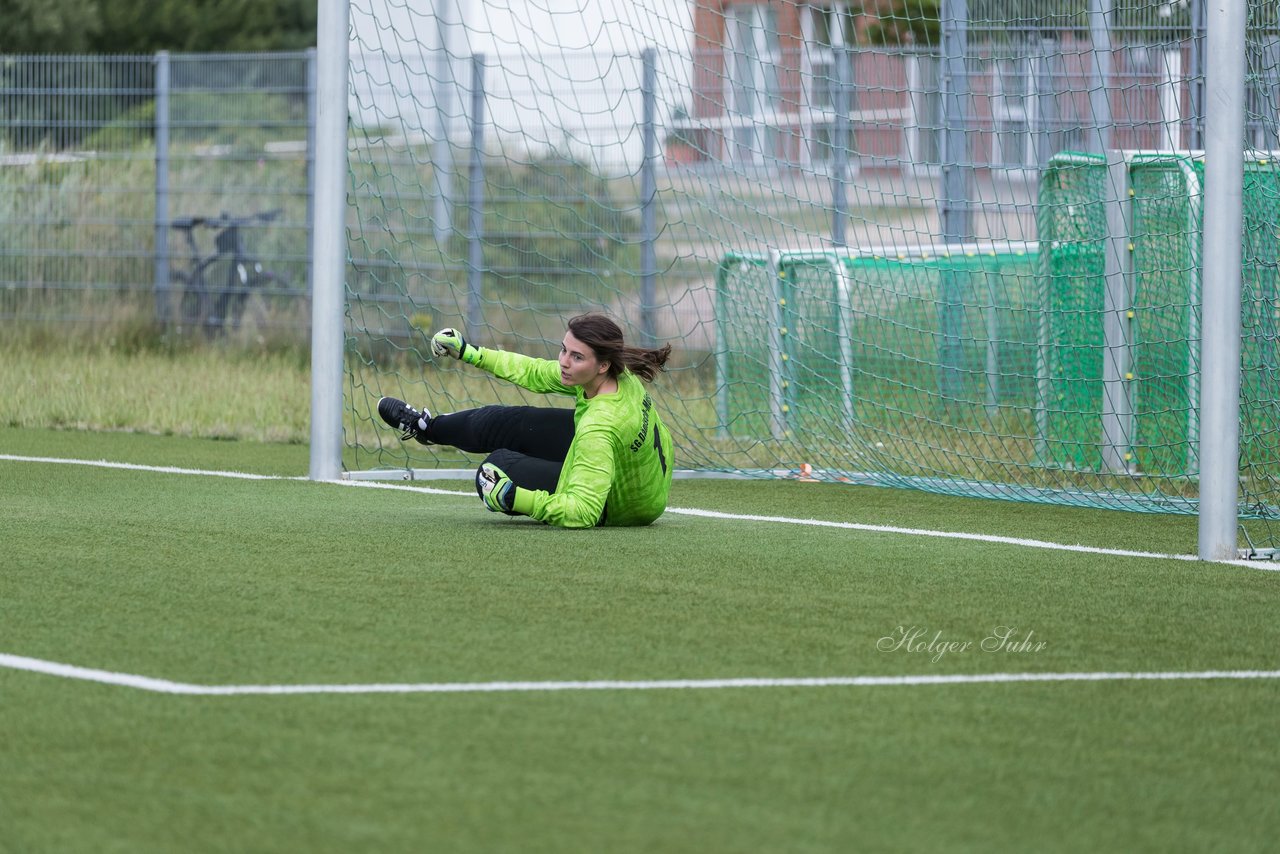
(648, 198)
(475, 200)
(162, 252)
(1046, 102)
(840, 145)
(311, 163)
(1099, 96)
(957, 164)
(443, 87)
(1195, 136)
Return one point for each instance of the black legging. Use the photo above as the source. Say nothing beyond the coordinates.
(529, 443)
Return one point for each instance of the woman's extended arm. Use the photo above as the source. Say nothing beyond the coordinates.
(538, 375)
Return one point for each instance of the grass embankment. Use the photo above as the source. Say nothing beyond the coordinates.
(208, 392)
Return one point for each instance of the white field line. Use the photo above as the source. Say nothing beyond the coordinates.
(165, 686)
(1270, 566)
(958, 535)
(107, 464)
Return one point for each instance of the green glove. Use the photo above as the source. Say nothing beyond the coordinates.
(449, 342)
(495, 488)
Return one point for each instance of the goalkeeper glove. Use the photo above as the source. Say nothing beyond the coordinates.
(495, 488)
(449, 342)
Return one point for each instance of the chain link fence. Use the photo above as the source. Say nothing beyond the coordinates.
(165, 192)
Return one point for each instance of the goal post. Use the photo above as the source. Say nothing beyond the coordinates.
(329, 240)
(1221, 291)
(864, 281)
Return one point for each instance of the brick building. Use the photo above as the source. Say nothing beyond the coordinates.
(766, 78)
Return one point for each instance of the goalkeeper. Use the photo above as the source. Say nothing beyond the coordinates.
(607, 461)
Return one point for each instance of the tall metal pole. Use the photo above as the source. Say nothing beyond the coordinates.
(329, 240)
(957, 162)
(1099, 96)
(648, 197)
(957, 167)
(1220, 294)
(444, 87)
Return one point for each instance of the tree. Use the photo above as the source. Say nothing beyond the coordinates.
(48, 26)
(146, 26)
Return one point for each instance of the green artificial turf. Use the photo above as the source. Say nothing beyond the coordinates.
(225, 581)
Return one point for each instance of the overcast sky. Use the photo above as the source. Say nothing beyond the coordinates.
(497, 26)
(584, 24)
(559, 73)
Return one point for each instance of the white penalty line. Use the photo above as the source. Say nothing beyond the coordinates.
(1270, 566)
(960, 535)
(239, 475)
(165, 686)
(107, 464)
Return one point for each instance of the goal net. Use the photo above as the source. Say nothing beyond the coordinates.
(906, 249)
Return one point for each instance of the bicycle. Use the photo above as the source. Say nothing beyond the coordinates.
(210, 305)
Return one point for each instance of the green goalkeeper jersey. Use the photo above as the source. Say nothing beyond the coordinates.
(619, 463)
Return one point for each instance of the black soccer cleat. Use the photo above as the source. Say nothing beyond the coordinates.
(405, 418)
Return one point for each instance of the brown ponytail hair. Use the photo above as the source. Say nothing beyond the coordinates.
(604, 337)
